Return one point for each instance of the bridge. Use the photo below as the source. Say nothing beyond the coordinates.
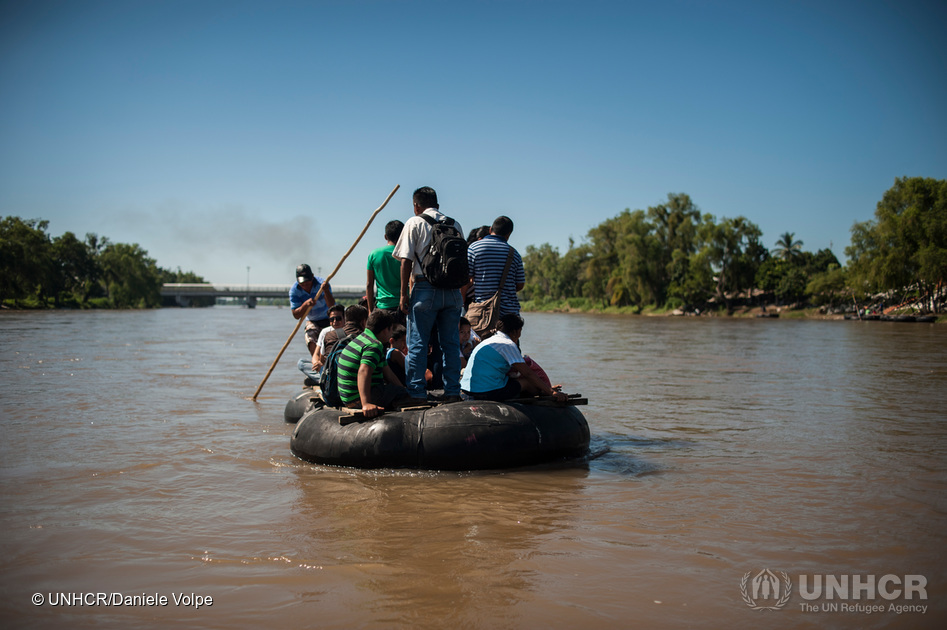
(183, 293)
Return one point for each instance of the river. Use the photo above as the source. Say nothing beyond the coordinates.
(135, 472)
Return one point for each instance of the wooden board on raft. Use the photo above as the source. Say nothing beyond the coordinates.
(356, 415)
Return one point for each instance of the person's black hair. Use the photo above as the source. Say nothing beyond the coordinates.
(379, 320)
(477, 233)
(393, 230)
(464, 321)
(502, 227)
(355, 314)
(425, 197)
(398, 332)
(511, 322)
(337, 308)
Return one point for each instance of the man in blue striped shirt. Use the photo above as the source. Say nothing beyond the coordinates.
(486, 259)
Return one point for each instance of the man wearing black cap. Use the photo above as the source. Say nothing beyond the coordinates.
(302, 296)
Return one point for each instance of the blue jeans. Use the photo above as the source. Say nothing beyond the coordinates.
(430, 306)
(305, 366)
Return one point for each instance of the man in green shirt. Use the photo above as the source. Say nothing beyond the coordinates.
(363, 369)
(385, 271)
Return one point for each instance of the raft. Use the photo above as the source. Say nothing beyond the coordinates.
(469, 435)
(299, 404)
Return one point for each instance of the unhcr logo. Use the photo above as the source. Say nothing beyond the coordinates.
(766, 591)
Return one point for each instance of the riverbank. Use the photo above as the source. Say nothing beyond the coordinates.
(768, 310)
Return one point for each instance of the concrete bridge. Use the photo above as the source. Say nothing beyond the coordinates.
(183, 293)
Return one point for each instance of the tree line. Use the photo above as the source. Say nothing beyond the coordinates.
(38, 271)
(673, 256)
(668, 256)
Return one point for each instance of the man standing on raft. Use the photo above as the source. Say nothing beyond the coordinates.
(427, 305)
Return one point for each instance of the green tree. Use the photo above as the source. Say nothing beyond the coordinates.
(905, 247)
(828, 287)
(603, 259)
(75, 269)
(792, 286)
(787, 247)
(733, 251)
(131, 277)
(542, 273)
(821, 261)
(639, 278)
(572, 271)
(676, 224)
(24, 258)
(696, 286)
(771, 273)
(166, 276)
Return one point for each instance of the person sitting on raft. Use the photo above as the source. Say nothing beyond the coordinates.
(397, 351)
(355, 318)
(336, 323)
(363, 369)
(468, 341)
(487, 376)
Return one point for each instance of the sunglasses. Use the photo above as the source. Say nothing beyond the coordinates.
(336, 319)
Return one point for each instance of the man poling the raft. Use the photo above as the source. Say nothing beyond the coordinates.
(305, 312)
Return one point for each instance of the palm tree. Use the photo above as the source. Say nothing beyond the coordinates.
(786, 247)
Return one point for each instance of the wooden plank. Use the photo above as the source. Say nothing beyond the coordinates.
(356, 415)
(351, 415)
(572, 402)
(574, 399)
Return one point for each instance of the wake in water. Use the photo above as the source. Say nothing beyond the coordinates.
(618, 454)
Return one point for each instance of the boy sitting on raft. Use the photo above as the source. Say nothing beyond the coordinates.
(468, 341)
(487, 376)
(363, 369)
(398, 351)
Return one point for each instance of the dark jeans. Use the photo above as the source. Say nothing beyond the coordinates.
(386, 394)
(512, 389)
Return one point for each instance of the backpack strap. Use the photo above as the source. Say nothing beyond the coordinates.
(506, 267)
(430, 221)
(449, 222)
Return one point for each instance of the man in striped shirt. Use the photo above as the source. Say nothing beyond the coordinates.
(363, 369)
(486, 259)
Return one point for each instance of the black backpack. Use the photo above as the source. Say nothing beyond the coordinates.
(445, 262)
(329, 382)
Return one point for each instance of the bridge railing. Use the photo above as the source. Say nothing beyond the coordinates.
(259, 290)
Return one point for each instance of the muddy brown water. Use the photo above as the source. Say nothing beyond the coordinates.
(134, 473)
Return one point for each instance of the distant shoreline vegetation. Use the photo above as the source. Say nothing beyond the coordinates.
(38, 272)
(666, 259)
(671, 257)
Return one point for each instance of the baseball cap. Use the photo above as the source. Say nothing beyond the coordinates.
(304, 273)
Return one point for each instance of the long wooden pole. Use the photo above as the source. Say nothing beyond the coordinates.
(302, 318)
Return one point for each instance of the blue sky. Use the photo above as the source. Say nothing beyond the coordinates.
(224, 134)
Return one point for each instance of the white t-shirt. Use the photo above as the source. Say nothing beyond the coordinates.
(416, 238)
(321, 342)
